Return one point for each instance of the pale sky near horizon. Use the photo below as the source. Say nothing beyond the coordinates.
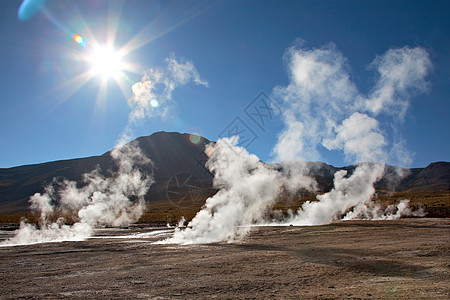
(207, 62)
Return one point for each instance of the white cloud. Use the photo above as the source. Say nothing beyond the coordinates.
(401, 71)
(100, 200)
(247, 189)
(360, 139)
(322, 107)
(321, 75)
(320, 91)
(321, 103)
(183, 72)
(376, 212)
(346, 193)
(399, 154)
(152, 96)
(290, 142)
(107, 200)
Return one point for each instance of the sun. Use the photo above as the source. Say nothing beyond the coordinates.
(106, 62)
(101, 58)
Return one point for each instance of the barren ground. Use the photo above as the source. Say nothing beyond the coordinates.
(408, 258)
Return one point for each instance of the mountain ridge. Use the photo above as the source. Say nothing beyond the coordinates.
(175, 153)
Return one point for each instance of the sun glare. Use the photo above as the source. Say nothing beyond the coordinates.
(106, 62)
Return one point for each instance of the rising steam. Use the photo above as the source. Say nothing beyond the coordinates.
(322, 108)
(117, 198)
(347, 192)
(114, 200)
(392, 212)
(152, 95)
(247, 189)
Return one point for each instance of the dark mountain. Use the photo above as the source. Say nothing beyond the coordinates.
(172, 153)
(435, 176)
(178, 157)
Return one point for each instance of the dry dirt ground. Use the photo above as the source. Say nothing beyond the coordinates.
(405, 259)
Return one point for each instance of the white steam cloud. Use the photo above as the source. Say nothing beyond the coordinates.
(319, 93)
(360, 138)
(114, 200)
(117, 198)
(402, 71)
(152, 95)
(346, 193)
(375, 212)
(247, 189)
(322, 108)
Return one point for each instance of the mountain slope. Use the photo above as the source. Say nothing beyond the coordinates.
(174, 155)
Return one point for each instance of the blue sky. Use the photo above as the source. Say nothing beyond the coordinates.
(239, 49)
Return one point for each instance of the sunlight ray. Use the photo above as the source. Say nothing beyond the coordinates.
(68, 88)
(148, 35)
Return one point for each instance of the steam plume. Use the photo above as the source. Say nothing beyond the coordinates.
(247, 190)
(152, 95)
(115, 199)
(402, 72)
(99, 201)
(375, 212)
(323, 108)
(360, 138)
(346, 193)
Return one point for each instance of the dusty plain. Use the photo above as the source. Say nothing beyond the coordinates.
(403, 259)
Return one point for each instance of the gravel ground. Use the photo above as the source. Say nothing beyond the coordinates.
(404, 259)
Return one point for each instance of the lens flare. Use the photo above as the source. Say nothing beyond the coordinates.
(195, 139)
(29, 8)
(78, 39)
(154, 103)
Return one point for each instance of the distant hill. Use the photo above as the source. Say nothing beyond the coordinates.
(176, 156)
(172, 153)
